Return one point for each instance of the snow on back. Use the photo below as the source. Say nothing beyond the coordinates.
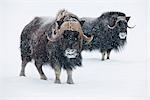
(46, 20)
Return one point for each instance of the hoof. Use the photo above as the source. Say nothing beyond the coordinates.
(108, 58)
(57, 81)
(102, 59)
(43, 77)
(21, 74)
(70, 82)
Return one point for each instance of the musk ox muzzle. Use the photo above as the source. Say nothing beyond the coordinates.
(122, 35)
(71, 53)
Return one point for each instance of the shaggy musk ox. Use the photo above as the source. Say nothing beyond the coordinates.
(57, 43)
(109, 30)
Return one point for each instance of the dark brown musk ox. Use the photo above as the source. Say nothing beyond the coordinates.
(57, 43)
(109, 30)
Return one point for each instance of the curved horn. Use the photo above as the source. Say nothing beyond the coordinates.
(56, 33)
(131, 27)
(88, 39)
(112, 27)
(85, 38)
(71, 25)
(118, 19)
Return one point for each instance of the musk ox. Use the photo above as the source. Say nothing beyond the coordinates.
(57, 43)
(109, 30)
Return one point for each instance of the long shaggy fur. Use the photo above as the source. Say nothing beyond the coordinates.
(105, 39)
(32, 36)
(35, 45)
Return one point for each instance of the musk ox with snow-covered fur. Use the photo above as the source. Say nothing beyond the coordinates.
(55, 42)
(109, 30)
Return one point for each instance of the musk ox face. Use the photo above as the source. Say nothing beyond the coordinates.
(70, 36)
(122, 29)
(71, 44)
(120, 24)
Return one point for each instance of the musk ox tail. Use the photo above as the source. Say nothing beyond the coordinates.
(25, 39)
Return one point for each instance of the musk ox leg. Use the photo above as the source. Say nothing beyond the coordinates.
(39, 68)
(108, 53)
(23, 65)
(69, 78)
(57, 74)
(103, 56)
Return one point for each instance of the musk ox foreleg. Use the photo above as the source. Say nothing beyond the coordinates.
(57, 69)
(39, 68)
(108, 53)
(103, 55)
(69, 78)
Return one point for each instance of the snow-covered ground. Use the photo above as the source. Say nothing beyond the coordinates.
(125, 77)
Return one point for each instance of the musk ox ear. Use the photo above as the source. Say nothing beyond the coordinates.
(127, 18)
(82, 22)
